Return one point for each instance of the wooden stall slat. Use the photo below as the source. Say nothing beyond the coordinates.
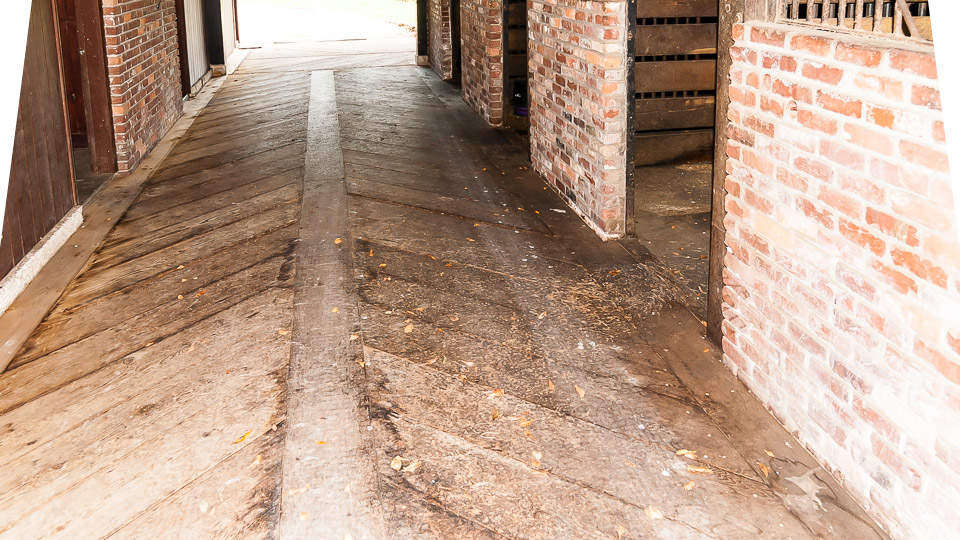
(676, 76)
(677, 8)
(677, 39)
(674, 113)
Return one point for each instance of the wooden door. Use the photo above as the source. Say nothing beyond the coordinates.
(675, 65)
(192, 44)
(197, 58)
(41, 174)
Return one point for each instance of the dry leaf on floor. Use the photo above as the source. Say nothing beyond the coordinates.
(579, 391)
(396, 464)
(335, 310)
(496, 414)
(689, 485)
(407, 329)
(321, 443)
(526, 423)
(631, 464)
(764, 469)
(541, 315)
(412, 467)
(621, 530)
(498, 392)
(613, 272)
(769, 453)
(371, 253)
(383, 265)
(180, 267)
(550, 385)
(201, 292)
(283, 331)
(654, 513)
(537, 455)
(338, 241)
(470, 240)
(242, 437)
(354, 337)
(689, 454)
(696, 469)
(257, 460)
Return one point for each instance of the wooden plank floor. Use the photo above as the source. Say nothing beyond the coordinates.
(151, 398)
(373, 321)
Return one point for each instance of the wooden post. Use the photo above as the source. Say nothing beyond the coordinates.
(96, 87)
(731, 12)
(629, 211)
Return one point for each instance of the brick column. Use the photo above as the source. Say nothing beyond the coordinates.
(441, 46)
(842, 297)
(144, 71)
(482, 52)
(578, 105)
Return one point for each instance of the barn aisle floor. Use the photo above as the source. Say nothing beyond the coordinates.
(343, 307)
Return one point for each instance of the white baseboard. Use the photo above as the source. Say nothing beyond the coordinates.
(23, 273)
(235, 59)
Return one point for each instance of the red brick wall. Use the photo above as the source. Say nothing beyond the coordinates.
(578, 104)
(481, 27)
(144, 70)
(842, 280)
(440, 45)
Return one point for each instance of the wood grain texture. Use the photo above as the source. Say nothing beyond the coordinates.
(41, 187)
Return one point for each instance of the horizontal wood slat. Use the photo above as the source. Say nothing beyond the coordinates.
(517, 12)
(517, 39)
(667, 39)
(674, 113)
(677, 8)
(517, 65)
(675, 76)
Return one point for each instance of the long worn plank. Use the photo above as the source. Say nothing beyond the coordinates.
(74, 361)
(61, 330)
(97, 284)
(109, 499)
(178, 370)
(203, 216)
(226, 189)
(325, 400)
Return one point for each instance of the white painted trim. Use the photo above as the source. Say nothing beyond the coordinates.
(13, 37)
(23, 273)
(945, 13)
(235, 59)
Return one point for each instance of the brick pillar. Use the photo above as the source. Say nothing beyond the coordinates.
(482, 52)
(578, 105)
(144, 71)
(842, 273)
(441, 46)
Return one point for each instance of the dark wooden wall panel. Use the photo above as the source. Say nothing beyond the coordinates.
(41, 188)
